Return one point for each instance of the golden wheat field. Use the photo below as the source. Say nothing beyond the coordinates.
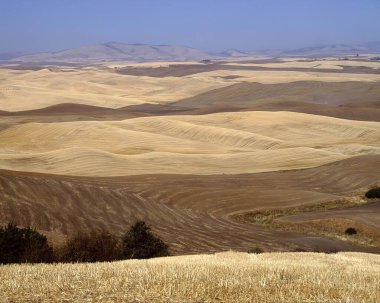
(222, 277)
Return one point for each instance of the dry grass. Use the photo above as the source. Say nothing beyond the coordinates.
(291, 219)
(334, 228)
(223, 277)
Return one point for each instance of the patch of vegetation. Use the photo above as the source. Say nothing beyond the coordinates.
(255, 250)
(269, 218)
(23, 245)
(140, 243)
(373, 193)
(94, 247)
(350, 231)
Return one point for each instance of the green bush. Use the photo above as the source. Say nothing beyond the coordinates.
(373, 193)
(94, 247)
(140, 243)
(23, 245)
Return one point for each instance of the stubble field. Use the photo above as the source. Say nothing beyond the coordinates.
(223, 277)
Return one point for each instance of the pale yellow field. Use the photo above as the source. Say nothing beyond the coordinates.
(223, 277)
(271, 77)
(241, 142)
(318, 64)
(26, 90)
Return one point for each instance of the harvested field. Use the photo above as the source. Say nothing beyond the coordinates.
(223, 277)
(28, 90)
(348, 100)
(187, 147)
(210, 144)
(193, 214)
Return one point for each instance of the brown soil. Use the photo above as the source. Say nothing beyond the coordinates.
(180, 70)
(193, 214)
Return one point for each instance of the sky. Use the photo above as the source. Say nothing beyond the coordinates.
(210, 25)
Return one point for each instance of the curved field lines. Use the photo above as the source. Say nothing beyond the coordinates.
(192, 213)
(190, 147)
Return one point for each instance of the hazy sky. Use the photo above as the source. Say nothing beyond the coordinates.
(211, 25)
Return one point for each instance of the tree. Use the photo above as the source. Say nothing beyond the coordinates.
(140, 243)
(94, 247)
(23, 245)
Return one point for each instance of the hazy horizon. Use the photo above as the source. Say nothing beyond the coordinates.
(209, 25)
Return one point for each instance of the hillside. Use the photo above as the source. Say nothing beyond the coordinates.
(208, 144)
(195, 149)
(199, 208)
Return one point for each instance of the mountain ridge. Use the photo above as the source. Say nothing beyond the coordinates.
(113, 51)
(118, 51)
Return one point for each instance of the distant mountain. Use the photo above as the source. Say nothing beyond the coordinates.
(113, 51)
(11, 55)
(319, 50)
(336, 49)
(118, 51)
(373, 46)
(233, 53)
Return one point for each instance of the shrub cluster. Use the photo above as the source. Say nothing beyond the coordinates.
(373, 193)
(350, 231)
(94, 247)
(25, 245)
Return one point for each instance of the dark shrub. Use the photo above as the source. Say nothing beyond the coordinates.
(299, 249)
(350, 231)
(255, 250)
(140, 243)
(327, 250)
(94, 247)
(23, 245)
(373, 193)
(37, 249)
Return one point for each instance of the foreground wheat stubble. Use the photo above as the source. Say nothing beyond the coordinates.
(223, 277)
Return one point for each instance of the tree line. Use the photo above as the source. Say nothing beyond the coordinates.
(26, 245)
